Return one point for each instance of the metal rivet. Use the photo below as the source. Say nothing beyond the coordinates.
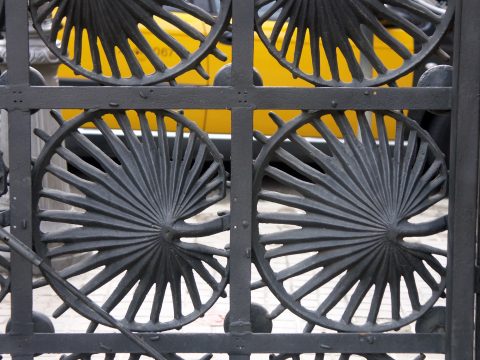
(334, 103)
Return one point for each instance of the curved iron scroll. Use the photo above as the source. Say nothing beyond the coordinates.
(347, 218)
(130, 215)
(140, 34)
(340, 32)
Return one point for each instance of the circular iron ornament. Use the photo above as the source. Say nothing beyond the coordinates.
(321, 356)
(131, 216)
(127, 31)
(112, 356)
(347, 217)
(346, 28)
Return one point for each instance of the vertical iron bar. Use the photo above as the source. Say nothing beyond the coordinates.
(241, 227)
(463, 207)
(241, 165)
(477, 297)
(242, 49)
(17, 41)
(20, 165)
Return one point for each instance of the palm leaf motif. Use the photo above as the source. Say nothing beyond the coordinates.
(333, 27)
(130, 213)
(112, 356)
(96, 37)
(322, 356)
(349, 220)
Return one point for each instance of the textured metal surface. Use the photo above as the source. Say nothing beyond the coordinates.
(432, 322)
(321, 356)
(133, 211)
(134, 204)
(344, 27)
(112, 25)
(130, 357)
(353, 205)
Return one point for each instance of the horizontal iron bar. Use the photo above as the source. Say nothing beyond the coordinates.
(227, 343)
(106, 97)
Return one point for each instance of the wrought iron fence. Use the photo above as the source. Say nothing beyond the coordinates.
(131, 205)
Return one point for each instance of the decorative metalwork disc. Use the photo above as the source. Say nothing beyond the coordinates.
(322, 356)
(132, 220)
(344, 226)
(100, 39)
(112, 356)
(332, 36)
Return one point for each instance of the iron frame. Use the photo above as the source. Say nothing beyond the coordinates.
(242, 98)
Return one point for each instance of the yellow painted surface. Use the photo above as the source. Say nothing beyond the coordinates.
(272, 73)
(165, 54)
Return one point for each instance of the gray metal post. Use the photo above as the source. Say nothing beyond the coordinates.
(464, 164)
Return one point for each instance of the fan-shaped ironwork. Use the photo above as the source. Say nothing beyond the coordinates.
(322, 356)
(95, 38)
(331, 27)
(348, 216)
(131, 215)
(111, 356)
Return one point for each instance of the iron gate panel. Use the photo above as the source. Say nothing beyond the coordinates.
(337, 189)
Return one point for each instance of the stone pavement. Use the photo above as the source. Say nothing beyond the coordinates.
(46, 301)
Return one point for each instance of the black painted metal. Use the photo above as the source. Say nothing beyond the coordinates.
(339, 24)
(133, 203)
(356, 199)
(133, 211)
(115, 24)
